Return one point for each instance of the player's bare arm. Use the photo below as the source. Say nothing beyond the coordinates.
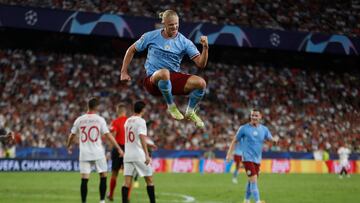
(144, 145)
(114, 143)
(231, 149)
(113, 133)
(69, 142)
(124, 76)
(202, 59)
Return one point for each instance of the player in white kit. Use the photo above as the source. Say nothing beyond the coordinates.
(344, 154)
(137, 158)
(90, 127)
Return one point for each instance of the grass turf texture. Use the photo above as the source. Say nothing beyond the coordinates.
(59, 187)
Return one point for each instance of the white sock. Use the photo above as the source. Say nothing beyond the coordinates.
(188, 109)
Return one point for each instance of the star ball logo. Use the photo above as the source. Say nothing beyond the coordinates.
(31, 17)
(275, 39)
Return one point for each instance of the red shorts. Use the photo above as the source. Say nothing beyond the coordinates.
(178, 81)
(237, 159)
(251, 168)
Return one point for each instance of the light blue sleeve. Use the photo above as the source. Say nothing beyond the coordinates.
(239, 134)
(191, 49)
(142, 43)
(268, 134)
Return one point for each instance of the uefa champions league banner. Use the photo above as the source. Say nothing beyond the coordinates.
(75, 22)
(188, 165)
(38, 165)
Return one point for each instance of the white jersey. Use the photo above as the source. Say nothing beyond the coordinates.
(134, 127)
(90, 128)
(344, 155)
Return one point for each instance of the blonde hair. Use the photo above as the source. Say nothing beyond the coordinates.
(167, 14)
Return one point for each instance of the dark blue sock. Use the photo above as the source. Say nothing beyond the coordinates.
(165, 88)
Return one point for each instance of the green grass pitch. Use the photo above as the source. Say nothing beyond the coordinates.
(59, 187)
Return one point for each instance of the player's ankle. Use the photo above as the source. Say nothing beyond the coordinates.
(189, 110)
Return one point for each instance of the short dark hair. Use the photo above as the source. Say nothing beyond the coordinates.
(93, 103)
(120, 108)
(256, 109)
(139, 106)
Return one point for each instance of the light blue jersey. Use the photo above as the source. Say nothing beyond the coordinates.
(238, 150)
(252, 139)
(165, 53)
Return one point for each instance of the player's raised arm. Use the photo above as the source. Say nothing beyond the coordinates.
(111, 138)
(231, 149)
(202, 59)
(124, 76)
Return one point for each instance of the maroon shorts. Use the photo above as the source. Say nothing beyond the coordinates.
(237, 159)
(178, 81)
(251, 168)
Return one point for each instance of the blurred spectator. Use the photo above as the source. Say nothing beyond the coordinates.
(41, 94)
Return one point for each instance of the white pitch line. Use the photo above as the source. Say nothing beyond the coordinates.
(184, 198)
(178, 198)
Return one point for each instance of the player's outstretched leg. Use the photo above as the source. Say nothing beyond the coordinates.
(195, 85)
(165, 89)
(195, 97)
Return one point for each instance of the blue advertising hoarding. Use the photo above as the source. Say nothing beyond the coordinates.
(86, 23)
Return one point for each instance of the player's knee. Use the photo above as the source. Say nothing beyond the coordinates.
(149, 181)
(163, 74)
(253, 178)
(201, 83)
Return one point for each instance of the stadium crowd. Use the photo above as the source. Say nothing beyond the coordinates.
(341, 17)
(42, 93)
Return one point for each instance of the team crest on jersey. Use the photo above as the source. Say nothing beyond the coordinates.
(167, 47)
(255, 133)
